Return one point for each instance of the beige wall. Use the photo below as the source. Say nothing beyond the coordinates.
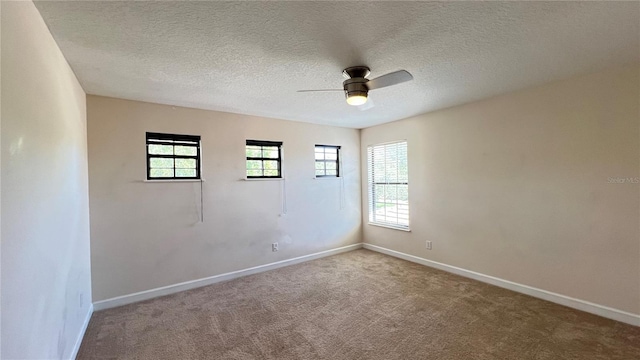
(518, 187)
(46, 289)
(146, 235)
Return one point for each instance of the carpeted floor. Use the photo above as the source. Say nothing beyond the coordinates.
(357, 305)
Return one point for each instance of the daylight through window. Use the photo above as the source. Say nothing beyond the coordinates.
(264, 159)
(172, 156)
(388, 183)
(327, 161)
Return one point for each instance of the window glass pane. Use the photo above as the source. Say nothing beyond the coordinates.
(270, 164)
(319, 172)
(391, 193)
(391, 163)
(186, 150)
(171, 163)
(327, 159)
(270, 152)
(403, 193)
(403, 174)
(254, 164)
(161, 163)
(254, 151)
(186, 163)
(160, 173)
(379, 173)
(379, 192)
(185, 172)
(160, 149)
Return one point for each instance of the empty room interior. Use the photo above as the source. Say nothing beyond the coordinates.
(320, 180)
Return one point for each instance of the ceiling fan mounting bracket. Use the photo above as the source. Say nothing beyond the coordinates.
(356, 72)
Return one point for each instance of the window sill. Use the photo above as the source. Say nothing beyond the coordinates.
(327, 178)
(173, 180)
(390, 227)
(262, 179)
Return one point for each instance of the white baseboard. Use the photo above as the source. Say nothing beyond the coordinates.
(76, 347)
(166, 290)
(604, 311)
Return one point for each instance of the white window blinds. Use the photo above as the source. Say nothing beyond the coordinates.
(388, 184)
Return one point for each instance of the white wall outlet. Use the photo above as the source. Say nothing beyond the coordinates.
(428, 245)
(274, 247)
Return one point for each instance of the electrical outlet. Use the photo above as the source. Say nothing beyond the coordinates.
(274, 247)
(428, 245)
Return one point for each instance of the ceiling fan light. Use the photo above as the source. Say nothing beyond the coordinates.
(356, 100)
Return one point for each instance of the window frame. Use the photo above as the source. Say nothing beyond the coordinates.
(371, 185)
(337, 161)
(262, 143)
(153, 138)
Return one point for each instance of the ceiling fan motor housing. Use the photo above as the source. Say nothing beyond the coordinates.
(355, 87)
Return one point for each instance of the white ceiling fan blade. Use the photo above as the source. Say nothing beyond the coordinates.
(389, 79)
(321, 90)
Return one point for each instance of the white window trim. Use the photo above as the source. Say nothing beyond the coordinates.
(390, 226)
(263, 179)
(172, 180)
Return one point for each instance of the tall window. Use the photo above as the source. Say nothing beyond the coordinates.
(172, 156)
(388, 180)
(327, 161)
(264, 159)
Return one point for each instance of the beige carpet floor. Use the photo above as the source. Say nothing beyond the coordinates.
(356, 305)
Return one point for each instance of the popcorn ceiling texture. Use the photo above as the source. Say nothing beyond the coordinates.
(251, 57)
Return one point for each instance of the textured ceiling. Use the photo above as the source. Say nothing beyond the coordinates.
(251, 57)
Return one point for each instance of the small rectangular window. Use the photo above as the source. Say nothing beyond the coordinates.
(327, 161)
(264, 159)
(388, 180)
(172, 156)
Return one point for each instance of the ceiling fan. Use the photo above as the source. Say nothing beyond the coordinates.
(357, 86)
